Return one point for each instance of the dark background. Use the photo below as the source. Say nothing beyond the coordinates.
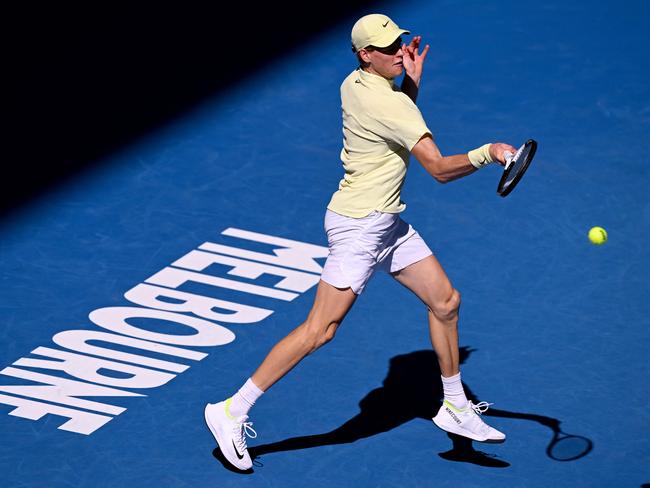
(82, 81)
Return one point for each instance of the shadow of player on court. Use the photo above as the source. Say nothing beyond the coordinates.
(400, 400)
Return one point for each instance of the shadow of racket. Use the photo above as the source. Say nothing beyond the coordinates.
(568, 447)
(563, 446)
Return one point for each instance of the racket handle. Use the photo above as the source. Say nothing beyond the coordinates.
(507, 155)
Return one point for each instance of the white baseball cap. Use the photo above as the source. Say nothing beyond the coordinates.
(375, 30)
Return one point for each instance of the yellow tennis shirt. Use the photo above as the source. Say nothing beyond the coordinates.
(380, 127)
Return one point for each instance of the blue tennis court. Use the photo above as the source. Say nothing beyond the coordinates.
(105, 370)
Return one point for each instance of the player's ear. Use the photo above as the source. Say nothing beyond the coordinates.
(363, 55)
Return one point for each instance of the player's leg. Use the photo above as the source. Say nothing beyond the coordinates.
(428, 280)
(227, 420)
(330, 307)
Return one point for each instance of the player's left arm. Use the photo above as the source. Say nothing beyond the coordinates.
(448, 168)
(413, 62)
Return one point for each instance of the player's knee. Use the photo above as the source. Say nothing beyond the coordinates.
(326, 334)
(329, 333)
(318, 334)
(447, 308)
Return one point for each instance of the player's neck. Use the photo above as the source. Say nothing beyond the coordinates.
(372, 71)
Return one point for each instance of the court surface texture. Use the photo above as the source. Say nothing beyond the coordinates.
(554, 330)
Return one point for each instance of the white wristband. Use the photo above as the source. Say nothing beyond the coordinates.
(481, 156)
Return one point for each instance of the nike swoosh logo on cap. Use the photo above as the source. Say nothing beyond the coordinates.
(384, 25)
(239, 456)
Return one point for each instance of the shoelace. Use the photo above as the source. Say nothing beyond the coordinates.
(480, 407)
(243, 430)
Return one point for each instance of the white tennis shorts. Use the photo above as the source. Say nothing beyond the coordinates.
(358, 247)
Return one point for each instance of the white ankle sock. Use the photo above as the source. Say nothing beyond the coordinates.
(454, 393)
(242, 401)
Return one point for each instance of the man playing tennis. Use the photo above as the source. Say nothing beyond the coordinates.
(382, 126)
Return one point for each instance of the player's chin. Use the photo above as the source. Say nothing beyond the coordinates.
(398, 68)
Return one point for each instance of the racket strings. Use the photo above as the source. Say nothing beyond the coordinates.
(518, 153)
(518, 163)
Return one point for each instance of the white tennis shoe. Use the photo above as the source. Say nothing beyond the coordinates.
(467, 422)
(230, 433)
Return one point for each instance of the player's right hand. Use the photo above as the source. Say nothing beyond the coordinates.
(497, 150)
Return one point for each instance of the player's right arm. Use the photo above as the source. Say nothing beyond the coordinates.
(448, 168)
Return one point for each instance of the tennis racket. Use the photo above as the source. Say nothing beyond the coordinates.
(516, 166)
(568, 447)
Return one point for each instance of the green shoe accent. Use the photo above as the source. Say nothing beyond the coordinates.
(452, 406)
(228, 402)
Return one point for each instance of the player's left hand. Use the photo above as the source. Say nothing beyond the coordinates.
(497, 149)
(414, 60)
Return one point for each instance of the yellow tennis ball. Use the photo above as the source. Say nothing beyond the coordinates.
(597, 235)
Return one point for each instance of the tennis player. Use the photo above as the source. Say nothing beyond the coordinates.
(382, 126)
